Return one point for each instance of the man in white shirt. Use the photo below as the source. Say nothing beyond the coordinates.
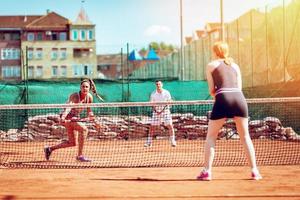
(161, 114)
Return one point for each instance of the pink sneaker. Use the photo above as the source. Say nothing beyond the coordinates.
(204, 176)
(256, 176)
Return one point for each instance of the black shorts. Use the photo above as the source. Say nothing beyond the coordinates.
(229, 105)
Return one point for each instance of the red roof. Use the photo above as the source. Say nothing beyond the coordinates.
(201, 33)
(188, 39)
(50, 21)
(37, 22)
(17, 21)
(213, 26)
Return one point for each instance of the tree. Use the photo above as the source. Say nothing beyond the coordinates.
(160, 46)
(154, 45)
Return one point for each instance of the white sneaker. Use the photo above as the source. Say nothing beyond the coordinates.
(147, 144)
(173, 143)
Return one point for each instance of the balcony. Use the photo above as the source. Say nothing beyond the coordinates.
(82, 52)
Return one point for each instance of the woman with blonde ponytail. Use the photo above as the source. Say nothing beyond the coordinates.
(225, 86)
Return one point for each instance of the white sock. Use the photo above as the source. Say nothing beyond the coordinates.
(149, 139)
(255, 170)
(172, 138)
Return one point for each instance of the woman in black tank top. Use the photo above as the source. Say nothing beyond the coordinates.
(70, 118)
(225, 84)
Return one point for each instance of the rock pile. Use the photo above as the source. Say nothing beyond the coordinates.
(187, 126)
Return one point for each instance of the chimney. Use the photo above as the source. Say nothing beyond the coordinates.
(47, 11)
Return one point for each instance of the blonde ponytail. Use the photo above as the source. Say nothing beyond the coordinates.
(221, 49)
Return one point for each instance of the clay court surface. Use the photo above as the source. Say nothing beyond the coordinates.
(279, 182)
(83, 182)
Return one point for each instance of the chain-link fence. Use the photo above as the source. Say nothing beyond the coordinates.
(263, 41)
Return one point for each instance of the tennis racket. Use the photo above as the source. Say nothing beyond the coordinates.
(95, 122)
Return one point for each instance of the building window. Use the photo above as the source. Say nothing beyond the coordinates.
(118, 68)
(54, 71)
(80, 70)
(11, 72)
(39, 36)
(63, 36)
(90, 35)
(10, 54)
(15, 54)
(39, 53)
(82, 34)
(30, 36)
(63, 53)
(86, 70)
(80, 53)
(39, 71)
(54, 36)
(54, 53)
(30, 54)
(76, 71)
(103, 67)
(63, 71)
(75, 34)
(15, 36)
(6, 36)
(30, 72)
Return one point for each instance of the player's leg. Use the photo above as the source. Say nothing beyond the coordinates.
(82, 134)
(152, 129)
(172, 135)
(155, 123)
(167, 119)
(209, 149)
(69, 143)
(243, 130)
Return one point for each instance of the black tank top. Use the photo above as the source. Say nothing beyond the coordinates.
(224, 76)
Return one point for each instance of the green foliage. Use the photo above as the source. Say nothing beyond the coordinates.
(162, 46)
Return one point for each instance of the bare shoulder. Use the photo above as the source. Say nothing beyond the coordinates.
(74, 97)
(235, 66)
(213, 64)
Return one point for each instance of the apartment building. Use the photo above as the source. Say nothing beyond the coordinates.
(46, 47)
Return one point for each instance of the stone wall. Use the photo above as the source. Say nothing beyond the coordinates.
(187, 126)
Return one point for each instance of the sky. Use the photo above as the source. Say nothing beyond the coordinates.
(137, 22)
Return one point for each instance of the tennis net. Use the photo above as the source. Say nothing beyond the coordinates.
(117, 137)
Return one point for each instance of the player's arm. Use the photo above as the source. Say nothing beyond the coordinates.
(67, 110)
(90, 114)
(210, 82)
(239, 77)
(152, 100)
(168, 99)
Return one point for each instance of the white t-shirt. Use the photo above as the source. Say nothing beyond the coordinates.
(160, 97)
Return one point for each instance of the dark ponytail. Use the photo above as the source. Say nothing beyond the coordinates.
(93, 88)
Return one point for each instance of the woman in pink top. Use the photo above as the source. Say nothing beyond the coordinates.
(70, 118)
